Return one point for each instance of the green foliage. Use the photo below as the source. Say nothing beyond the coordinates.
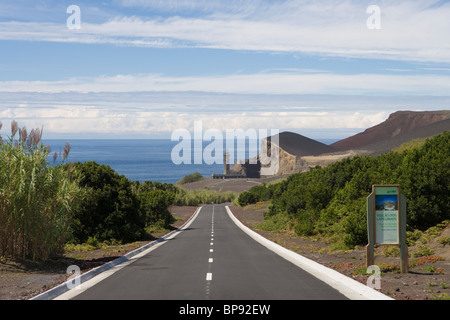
(416, 143)
(305, 226)
(442, 296)
(36, 199)
(256, 194)
(355, 224)
(110, 210)
(154, 205)
(332, 200)
(275, 223)
(44, 208)
(424, 176)
(196, 176)
(185, 197)
(444, 240)
(423, 251)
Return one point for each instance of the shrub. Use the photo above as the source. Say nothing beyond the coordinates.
(305, 225)
(256, 194)
(333, 198)
(110, 211)
(154, 205)
(191, 178)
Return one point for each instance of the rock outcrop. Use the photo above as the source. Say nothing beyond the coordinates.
(298, 153)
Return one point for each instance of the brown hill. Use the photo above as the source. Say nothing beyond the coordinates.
(298, 145)
(299, 153)
(292, 147)
(422, 132)
(400, 127)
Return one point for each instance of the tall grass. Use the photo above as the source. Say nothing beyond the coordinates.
(35, 199)
(185, 197)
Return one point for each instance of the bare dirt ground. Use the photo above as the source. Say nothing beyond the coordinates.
(428, 277)
(21, 280)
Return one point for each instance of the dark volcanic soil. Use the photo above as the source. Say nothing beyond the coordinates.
(21, 280)
(428, 277)
(400, 127)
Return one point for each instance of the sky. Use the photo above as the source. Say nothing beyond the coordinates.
(145, 68)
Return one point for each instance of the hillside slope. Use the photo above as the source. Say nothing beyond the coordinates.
(298, 145)
(400, 127)
(299, 153)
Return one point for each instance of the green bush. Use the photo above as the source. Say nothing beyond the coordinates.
(305, 225)
(110, 211)
(154, 205)
(333, 199)
(191, 178)
(256, 194)
(424, 176)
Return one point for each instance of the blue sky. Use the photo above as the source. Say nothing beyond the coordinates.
(144, 68)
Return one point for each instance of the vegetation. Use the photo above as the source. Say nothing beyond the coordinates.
(191, 178)
(155, 200)
(36, 200)
(201, 196)
(258, 193)
(332, 201)
(119, 210)
(110, 209)
(45, 207)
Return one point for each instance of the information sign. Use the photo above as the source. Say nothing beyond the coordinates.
(387, 215)
(386, 222)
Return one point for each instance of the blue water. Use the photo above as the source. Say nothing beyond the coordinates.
(139, 160)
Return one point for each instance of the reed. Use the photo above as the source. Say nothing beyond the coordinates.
(36, 199)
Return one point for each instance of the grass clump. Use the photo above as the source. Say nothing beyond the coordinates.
(196, 176)
(36, 199)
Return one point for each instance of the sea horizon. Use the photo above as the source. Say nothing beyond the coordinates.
(139, 159)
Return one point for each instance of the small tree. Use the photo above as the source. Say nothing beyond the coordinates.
(110, 211)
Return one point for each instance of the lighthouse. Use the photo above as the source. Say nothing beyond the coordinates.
(226, 163)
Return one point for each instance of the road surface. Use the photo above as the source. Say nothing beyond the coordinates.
(212, 259)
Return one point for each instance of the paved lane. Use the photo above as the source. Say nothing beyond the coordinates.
(211, 259)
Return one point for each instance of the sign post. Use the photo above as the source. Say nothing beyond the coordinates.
(386, 222)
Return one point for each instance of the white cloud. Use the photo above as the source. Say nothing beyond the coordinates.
(89, 120)
(150, 115)
(259, 83)
(410, 30)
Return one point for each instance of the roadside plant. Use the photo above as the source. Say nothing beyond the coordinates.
(36, 199)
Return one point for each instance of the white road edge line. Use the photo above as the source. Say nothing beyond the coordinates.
(94, 276)
(352, 289)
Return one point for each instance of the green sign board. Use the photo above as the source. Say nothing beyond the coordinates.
(387, 215)
(386, 221)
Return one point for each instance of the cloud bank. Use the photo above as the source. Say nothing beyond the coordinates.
(411, 30)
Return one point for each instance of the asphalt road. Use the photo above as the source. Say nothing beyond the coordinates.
(211, 260)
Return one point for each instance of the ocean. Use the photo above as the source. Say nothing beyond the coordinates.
(139, 159)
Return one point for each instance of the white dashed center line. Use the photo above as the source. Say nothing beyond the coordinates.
(210, 260)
